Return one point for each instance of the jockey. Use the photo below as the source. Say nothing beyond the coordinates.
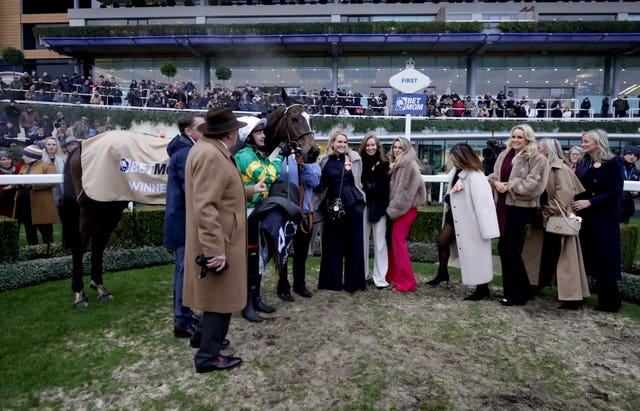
(255, 166)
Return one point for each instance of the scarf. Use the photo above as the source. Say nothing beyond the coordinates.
(501, 204)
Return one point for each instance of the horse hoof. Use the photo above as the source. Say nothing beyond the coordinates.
(82, 301)
(103, 294)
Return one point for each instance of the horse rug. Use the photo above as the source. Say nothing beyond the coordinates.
(125, 166)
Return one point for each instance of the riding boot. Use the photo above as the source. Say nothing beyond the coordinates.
(248, 312)
(443, 275)
(258, 304)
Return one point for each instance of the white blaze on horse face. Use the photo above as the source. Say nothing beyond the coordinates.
(307, 117)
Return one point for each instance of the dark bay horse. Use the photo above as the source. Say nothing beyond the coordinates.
(87, 220)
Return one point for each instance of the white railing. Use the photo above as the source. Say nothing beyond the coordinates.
(440, 179)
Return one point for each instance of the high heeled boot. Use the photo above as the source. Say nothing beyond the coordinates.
(443, 275)
(258, 304)
(481, 292)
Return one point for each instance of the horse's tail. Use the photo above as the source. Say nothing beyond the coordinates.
(70, 210)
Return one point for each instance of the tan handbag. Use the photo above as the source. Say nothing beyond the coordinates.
(563, 225)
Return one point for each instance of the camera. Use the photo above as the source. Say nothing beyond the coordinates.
(201, 260)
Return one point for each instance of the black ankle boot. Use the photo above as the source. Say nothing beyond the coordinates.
(248, 312)
(481, 292)
(443, 275)
(258, 304)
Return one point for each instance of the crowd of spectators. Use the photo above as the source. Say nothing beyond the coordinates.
(79, 89)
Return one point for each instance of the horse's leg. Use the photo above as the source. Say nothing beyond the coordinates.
(86, 226)
(110, 214)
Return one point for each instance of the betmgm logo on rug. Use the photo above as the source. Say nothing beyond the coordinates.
(409, 104)
(130, 166)
(153, 175)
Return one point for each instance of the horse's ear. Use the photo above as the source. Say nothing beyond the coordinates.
(285, 97)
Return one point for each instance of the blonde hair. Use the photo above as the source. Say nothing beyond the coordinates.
(600, 137)
(407, 149)
(530, 148)
(554, 150)
(59, 152)
(333, 135)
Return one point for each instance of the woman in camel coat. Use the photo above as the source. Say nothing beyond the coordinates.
(548, 255)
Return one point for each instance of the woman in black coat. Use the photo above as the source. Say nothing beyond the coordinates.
(375, 183)
(602, 175)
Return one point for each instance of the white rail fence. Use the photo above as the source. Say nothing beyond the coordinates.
(440, 179)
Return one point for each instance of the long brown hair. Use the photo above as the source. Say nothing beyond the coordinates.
(380, 151)
(466, 157)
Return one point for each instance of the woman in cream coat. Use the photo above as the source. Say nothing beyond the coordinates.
(547, 254)
(469, 223)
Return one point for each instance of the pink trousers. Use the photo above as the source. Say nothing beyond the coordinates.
(400, 270)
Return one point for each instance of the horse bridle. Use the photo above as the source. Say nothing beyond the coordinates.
(298, 137)
(300, 182)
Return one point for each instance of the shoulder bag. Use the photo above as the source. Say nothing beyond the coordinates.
(562, 224)
(335, 208)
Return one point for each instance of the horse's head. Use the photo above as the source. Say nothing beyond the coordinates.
(292, 124)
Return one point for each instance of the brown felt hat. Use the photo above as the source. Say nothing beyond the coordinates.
(220, 121)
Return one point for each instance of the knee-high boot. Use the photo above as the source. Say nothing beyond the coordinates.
(248, 312)
(258, 304)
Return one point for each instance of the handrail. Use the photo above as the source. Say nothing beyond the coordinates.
(440, 179)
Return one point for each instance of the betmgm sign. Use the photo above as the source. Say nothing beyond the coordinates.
(409, 104)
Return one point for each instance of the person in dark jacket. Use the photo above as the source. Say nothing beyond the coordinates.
(174, 220)
(585, 106)
(602, 175)
(375, 182)
(631, 173)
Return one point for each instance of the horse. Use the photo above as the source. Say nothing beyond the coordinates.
(85, 219)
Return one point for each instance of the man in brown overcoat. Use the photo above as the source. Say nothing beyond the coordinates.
(216, 228)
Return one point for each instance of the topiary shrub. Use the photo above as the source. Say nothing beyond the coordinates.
(9, 244)
(629, 243)
(426, 226)
(149, 225)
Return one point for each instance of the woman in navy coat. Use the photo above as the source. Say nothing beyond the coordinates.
(602, 175)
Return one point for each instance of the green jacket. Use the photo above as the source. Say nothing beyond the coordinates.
(254, 166)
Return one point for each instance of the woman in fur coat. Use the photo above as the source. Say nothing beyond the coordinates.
(469, 223)
(407, 192)
(519, 178)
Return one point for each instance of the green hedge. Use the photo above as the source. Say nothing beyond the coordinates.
(140, 228)
(33, 272)
(629, 241)
(9, 246)
(125, 117)
(379, 27)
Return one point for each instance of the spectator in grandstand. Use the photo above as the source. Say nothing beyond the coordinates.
(60, 97)
(566, 112)
(80, 128)
(75, 98)
(60, 121)
(28, 116)
(13, 113)
(96, 98)
(556, 108)
(585, 107)
(9, 131)
(30, 94)
(541, 106)
(606, 105)
(620, 106)
(47, 124)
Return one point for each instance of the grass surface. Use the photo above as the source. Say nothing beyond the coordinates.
(374, 350)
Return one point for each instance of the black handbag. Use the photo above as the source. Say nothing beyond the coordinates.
(335, 208)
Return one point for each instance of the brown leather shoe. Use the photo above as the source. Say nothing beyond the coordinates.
(221, 363)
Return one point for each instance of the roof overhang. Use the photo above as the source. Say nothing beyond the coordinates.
(609, 44)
